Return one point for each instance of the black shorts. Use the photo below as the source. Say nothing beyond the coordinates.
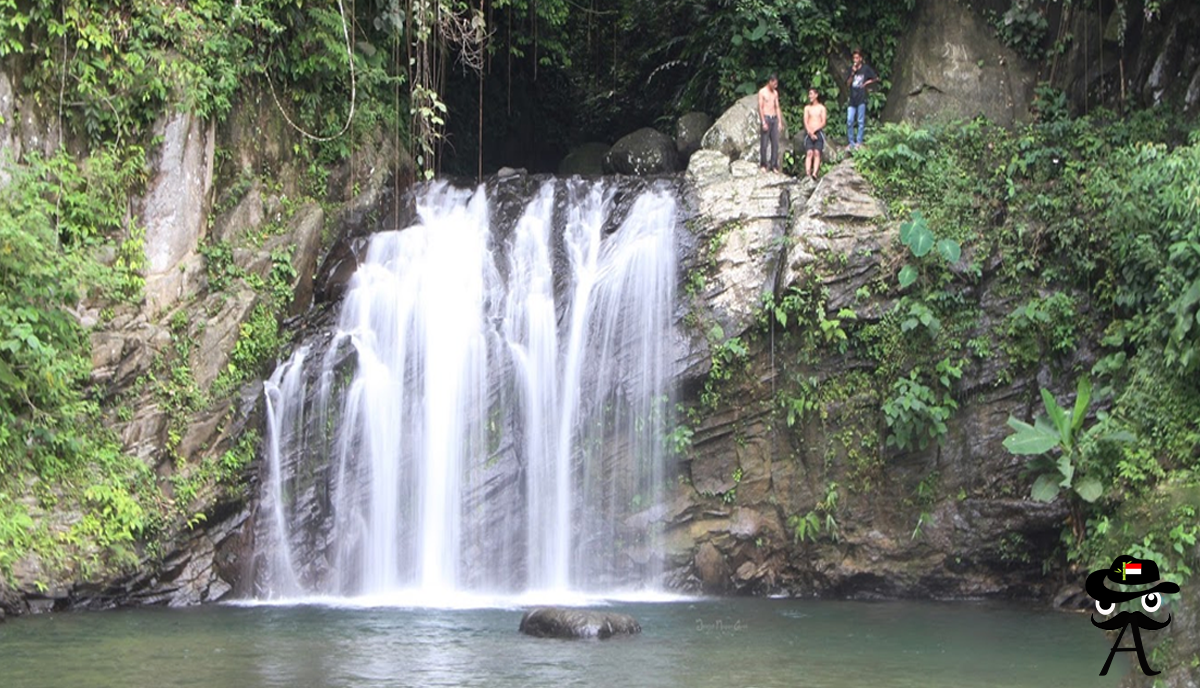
(817, 144)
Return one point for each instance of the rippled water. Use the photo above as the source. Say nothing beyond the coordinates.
(696, 643)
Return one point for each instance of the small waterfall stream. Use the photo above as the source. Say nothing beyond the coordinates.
(490, 414)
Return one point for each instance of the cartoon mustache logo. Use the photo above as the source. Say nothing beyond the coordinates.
(1138, 619)
(1126, 571)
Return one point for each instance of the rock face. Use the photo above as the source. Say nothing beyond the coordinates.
(645, 151)
(841, 218)
(175, 207)
(586, 160)
(951, 65)
(559, 622)
(689, 132)
(9, 142)
(737, 132)
(749, 213)
(24, 126)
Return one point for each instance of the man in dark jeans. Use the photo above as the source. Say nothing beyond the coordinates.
(771, 118)
(861, 76)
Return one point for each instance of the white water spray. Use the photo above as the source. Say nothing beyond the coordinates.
(502, 412)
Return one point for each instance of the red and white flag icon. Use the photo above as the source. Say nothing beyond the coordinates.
(1133, 569)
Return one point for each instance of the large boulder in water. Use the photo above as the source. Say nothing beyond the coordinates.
(559, 622)
(689, 132)
(738, 130)
(645, 151)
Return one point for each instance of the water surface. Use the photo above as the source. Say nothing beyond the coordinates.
(696, 643)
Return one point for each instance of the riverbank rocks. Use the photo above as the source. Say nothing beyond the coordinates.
(645, 151)
(561, 622)
(738, 130)
(11, 602)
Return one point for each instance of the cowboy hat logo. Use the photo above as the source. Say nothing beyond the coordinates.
(1127, 570)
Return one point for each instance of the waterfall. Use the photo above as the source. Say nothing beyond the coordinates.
(490, 413)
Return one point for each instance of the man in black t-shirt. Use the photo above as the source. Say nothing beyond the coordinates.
(861, 76)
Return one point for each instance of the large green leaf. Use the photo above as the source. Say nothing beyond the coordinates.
(921, 240)
(758, 32)
(1083, 397)
(1089, 488)
(1045, 488)
(1066, 469)
(906, 228)
(1057, 416)
(908, 275)
(950, 250)
(1029, 439)
(7, 379)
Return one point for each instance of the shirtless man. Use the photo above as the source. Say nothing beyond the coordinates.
(814, 138)
(771, 118)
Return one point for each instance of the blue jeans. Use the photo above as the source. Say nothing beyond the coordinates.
(856, 113)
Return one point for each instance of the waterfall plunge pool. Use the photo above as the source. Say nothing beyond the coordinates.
(685, 642)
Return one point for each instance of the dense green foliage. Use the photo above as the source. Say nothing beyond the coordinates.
(1092, 229)
(102, 74)
(56, 217)
(110, 69)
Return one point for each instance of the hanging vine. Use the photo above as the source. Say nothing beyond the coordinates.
(438, 29)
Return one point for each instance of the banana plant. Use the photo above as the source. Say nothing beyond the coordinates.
(1056, 438)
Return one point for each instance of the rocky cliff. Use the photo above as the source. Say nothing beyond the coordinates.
(789, 484)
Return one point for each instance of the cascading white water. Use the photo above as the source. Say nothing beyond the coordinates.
(284, 420)
(503, 410)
